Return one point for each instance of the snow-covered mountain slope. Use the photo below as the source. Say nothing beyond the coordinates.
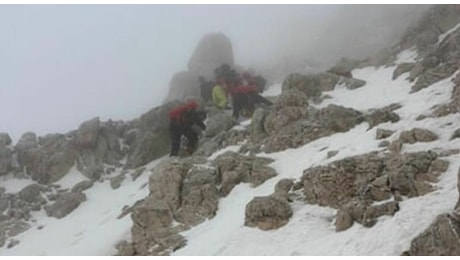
(94, 229)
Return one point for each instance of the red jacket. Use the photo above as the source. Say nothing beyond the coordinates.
(244, 89)
(176, 113)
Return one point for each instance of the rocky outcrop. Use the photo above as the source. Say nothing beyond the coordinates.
(270, 212)
(234, 168)
(211, 52)
(379, 116)
(184, 193)
(402, 68)
(52, 159)
(442, 238)
(65, 204)
(417, 135)
(352, 184)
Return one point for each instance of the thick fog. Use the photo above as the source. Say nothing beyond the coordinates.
(62, 65)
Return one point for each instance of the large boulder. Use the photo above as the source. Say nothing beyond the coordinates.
(199, 195)
(65, 204)
(312, 85)
(267, 213)
(24, 147)
(212, 51)
(52, 159)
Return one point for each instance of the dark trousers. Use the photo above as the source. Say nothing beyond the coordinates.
(176, 130)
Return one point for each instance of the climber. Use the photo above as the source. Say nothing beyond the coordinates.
(219, 94)
(245, 98)
(205, 89)
(182, 120)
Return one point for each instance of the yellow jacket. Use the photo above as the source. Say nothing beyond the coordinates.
(219, 96)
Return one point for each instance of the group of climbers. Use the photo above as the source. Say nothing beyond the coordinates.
(242, 90)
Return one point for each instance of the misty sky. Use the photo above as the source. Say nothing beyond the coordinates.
(61, 65)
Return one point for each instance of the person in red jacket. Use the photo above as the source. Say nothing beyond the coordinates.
(182, 119)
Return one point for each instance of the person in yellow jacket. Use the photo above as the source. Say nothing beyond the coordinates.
(219, 95)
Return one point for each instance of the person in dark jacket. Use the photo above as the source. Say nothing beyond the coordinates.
(182, 120)
(245, 98)
(205, 88)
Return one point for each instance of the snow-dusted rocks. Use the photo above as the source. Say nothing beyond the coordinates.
(379, 116)
(403, 68)
(52, 159)
(65, 204)
(442, 238)
(270, 212)
(352, 184)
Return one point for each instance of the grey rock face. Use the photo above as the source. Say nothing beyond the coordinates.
(199, 195)
(381, 116)
(402, 68)
(52, 159)
(383, 133)
(212, 51)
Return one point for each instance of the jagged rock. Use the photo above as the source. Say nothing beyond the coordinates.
(11, 228)
(82, 186)
(257, 129)
(383, 133)
(6, 160)
(312, 85)
(363, 212)
(51, 160)
(442, 238)
(341, 181)
(199, 195)
(13, 243)
(5, 139)
(32, 194)
(151, 232)
(267, 213)
(217, 123)
(352, 83)
(115, 182)
(417, 135)
(384, 144)
(331, 154)
(456, 134)
(282, 189)
(381, 116)
(165, 183)
(124, 248)
(379, 190)
(408, 173)
(65, 204)
(234, 168)
(291, 98)
(137, 173)
(402, 68)
(338, 118)
(24, 146)
(87, 134)
(292, 127)
(395, 146)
